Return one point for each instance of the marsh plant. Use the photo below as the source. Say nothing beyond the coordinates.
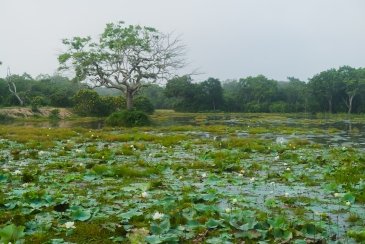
(178, 185)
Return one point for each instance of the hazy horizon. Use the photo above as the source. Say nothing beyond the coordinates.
(225, 40)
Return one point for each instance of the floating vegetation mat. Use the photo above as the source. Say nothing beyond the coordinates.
(208, 183)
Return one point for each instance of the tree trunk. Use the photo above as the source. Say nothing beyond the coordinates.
(14, 92)
(350, 104)
(330, 105)
(129, 98)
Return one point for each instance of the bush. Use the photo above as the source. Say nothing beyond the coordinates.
(54, 114)
(86, 102)
(61, 99)
(89, 103)
(109, 104)
(144, 104)
(36, 102)
(128, 118)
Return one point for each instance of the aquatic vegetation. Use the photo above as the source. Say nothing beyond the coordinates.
(209, 183)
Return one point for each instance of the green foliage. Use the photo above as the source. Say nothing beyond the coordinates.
(11, 233)
(125, 57)
(191, 97)
(54, 115)
(88, 103)
(143, 104)
(79, 213)
(109, 104)
(55, 90)
(36, 102)
(358, 235)
(128, 118)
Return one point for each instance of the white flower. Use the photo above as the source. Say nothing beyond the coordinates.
(144, 194)
(204, 175)
(78, 150)
(336, 194)
(286, 194)
(287, 169)
(157, 216)
(240, 175)
(348, 203)
(252, 179)
(40, 153)
(180, 177)
(285, 164)
(242, 171)
(17, 172)
(228, 210)
(25, 185)
(276, 158)
(234, 200)
(81, 164)
(23, 164)
(70, 225)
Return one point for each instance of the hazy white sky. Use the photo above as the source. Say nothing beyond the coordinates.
(226, 39)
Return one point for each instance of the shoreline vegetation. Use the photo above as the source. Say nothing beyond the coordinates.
(188, 178)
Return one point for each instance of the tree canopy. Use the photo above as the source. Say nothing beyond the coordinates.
(124, 57)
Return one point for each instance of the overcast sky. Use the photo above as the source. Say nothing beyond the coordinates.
(225, 39)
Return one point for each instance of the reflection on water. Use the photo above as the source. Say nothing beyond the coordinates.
(95, 124)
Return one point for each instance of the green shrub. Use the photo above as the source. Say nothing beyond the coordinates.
(128, 118)
(86, 102)
(36, 102)
(144, 104)
(89, 103)
(54, 115)
(109, 104)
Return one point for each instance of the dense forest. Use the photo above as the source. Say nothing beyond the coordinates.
(335, 90)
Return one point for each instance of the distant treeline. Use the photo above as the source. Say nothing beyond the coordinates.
(44, 90)
(334, 90)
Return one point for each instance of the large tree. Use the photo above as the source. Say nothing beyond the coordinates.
(354, 82)
(125, 58)
(327, 85)
(212, 94)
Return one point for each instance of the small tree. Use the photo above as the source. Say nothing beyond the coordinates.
(12, 87)
(125, 58)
